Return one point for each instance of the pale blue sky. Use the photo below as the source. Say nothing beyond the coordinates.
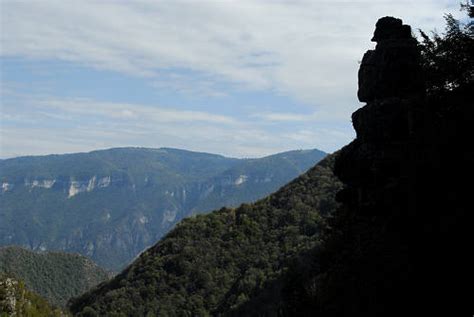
(239, 78)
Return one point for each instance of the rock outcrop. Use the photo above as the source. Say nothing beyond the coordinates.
(17, 301)
(390, 82)
(393, 68)
(403, 237)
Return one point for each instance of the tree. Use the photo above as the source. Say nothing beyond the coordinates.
(447, 59)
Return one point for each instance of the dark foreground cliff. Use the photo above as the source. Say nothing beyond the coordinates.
(402, 241)
(406, 228)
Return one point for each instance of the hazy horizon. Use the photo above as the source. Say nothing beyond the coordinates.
(165, 148)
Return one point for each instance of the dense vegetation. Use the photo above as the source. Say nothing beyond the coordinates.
(112, 204)
(17, 300)
(55, 276)
(447, 59)
(213, 264)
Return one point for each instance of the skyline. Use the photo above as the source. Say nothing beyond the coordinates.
(241, 79)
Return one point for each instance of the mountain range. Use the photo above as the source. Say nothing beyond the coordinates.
(112, 204)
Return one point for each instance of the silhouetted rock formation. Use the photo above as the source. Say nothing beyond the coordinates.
(403, 239)
(390, 81)
(393, 68)
(401, 242)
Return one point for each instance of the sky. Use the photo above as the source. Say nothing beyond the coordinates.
(239, 78)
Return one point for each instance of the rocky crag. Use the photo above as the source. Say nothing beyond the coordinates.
(401, 242)
(17, 301)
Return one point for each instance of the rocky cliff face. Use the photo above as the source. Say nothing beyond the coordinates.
(402, 239)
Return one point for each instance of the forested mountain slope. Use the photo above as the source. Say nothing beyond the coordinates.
(56, 276)
(212, 264)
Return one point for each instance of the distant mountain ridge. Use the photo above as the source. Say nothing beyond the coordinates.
(56, 276)
(111, 204)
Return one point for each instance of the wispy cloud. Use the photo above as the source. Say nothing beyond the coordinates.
(321, 115)
(43, 125)
(307, 49)
(142, 113)
(285, 117)
(190, 84)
